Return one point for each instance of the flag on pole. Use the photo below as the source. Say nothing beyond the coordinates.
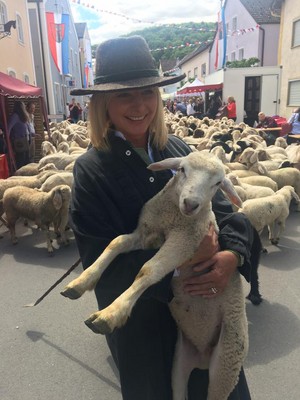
(217, 43)
(58, 37)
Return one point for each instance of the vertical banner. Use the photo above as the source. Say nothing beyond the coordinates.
(217, 44)
(58, 38)
(224, 37)
(65, 43)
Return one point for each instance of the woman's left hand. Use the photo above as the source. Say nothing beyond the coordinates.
(210, 284)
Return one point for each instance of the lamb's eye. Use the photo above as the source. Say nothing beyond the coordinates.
(218, 183)
(181, 169)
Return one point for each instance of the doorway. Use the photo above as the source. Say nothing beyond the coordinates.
(252, 99)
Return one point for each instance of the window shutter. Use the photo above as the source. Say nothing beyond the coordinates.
(294, 93)
(296, 33)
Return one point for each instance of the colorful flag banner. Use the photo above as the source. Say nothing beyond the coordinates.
(58, 37)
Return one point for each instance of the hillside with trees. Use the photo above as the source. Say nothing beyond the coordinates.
(176, 40)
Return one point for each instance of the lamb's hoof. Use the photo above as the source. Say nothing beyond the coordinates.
(255, 299)
(264, 250)
(101, 326)
(274, 241)
(70, 293)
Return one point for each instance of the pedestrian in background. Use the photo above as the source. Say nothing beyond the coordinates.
(18, 132)
(231, 108)
(30, 108)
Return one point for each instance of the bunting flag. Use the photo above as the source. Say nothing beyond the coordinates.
(217, 44)
(58, 37)
(224, 37)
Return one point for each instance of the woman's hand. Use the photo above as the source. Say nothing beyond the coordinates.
(220, 267)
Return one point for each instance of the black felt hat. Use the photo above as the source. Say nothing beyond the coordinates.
(125, 64)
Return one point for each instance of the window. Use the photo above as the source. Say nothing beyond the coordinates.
(20, 29)
(203, 69)
(233, 56)
(294, 93)
(12, 73)
(241, 54)
(296, 33)
(189, 74)
(26, 78)
(3, 13)
(195, 72)
(234, 24)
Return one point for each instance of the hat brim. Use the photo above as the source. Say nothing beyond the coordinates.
(129, 85)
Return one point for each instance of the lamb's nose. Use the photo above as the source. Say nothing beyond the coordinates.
(190, 205)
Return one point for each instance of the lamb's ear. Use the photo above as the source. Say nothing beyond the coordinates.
(253, 157)
(57, 199)
(168, 163)
(262, 169)
(229, 189)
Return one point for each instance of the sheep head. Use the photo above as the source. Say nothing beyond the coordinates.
(198, 178)
(60, 195)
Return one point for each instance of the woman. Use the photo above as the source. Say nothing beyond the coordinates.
(231, 108)
(111, 185)
(19, 134)
(30, 108)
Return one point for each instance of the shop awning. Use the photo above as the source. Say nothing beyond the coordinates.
(10, 86)
(201, 88)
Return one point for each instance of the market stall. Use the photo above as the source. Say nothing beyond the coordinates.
(11, 89)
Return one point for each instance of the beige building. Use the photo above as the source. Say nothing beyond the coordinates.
(289, 57)
(16, 52)
(196, 64)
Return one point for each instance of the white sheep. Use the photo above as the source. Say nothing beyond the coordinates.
(250, 191)
(184, 209)
(40, 207)
(271, 211)
(62, 178)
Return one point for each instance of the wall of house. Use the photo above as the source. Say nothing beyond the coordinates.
(194, 68)
(270, 46)
(13, 49)
(289, 58)
(236, 41)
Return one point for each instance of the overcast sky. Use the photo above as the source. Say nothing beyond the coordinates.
(103, 24)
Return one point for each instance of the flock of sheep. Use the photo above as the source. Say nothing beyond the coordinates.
(266, 179)
(270, 173)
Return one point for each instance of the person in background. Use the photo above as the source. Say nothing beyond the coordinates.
(18, 132)
(75, 111)
(3, 147)
(265, 122)
(199, 107)
(190, 108)
(231, 108)
(294, 121)
(30, 108)
(111, 185)
(214, 105)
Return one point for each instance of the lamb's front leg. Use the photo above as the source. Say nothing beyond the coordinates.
(114, 316)
(89, 278)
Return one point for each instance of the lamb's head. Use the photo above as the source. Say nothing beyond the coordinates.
(198, 178)
(60, 195)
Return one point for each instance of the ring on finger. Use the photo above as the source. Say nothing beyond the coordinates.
(214, 290)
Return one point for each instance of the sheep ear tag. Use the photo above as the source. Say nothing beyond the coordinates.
(229, 190)
(168, 163)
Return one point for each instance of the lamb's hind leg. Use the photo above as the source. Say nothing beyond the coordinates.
(89, 278)
(226, 360)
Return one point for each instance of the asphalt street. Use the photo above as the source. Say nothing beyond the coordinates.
(47, 352)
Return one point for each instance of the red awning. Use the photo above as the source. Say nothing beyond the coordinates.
(202, 88)
(10, 86)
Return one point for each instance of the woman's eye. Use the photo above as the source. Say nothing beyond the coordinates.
(123, 95)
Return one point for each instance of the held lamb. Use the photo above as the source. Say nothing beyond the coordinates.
(217, 327)
(41, 207)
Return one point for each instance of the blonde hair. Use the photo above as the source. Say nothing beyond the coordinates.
(99, 123)
(231, 98)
